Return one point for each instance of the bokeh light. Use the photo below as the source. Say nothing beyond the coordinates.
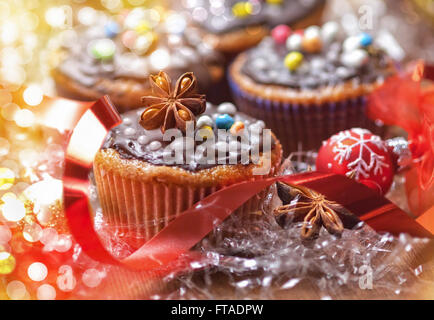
(4, 147)
(5, 234)
(91, 278)
(49, 236)
(13, 210)
(16, 290)
(32, 232)
(7, 178)
(9, 110)
(7, 263)
(46, 292)
(57, 16)
(37, 271)
(24, 118)
(33, 95)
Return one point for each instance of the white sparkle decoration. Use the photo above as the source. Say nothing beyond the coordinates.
(359, 166)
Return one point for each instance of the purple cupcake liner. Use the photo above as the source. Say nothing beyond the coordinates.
(304, 126)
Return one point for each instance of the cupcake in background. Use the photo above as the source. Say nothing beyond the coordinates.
(231, 26)
(146, 178)
(307, 85)
(115, 56)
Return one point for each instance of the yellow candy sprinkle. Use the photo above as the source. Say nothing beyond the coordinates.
(274, 1)
(142, 27)
(7, 263)
(206, 132)
(293, 60)
(242, 9)
(237, 127)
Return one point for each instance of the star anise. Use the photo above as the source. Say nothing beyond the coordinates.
(170, 108)
(303, 204)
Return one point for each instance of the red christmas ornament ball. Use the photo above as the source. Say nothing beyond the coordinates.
(360, 154)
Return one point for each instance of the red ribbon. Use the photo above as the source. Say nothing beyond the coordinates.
(402, 101)
(93, 120)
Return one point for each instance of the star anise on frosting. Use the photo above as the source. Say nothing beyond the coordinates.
(303, 204)
(171, 108)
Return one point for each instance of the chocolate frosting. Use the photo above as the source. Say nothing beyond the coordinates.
(217, 17)
(134, 142)
(265, 64)
(186, 52)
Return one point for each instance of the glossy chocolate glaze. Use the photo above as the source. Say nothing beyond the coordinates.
(265, 64)
(217, 17)
(186, 52)
(134, 142)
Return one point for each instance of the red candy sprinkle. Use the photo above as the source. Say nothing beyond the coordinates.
(280, 33)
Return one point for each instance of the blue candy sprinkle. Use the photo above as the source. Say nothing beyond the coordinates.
(224, 121)
(111, 29)
(365, 39)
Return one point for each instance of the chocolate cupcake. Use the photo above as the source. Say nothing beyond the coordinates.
(115, 55)
(309, 85)
(231, 26)
(161, 160)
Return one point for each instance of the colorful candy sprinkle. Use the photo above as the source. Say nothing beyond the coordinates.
(204, 121)
(293, 60)
(280, 33)
(227, 107)
(111, 29)
(329, 31)
(224, 121)
(293, 43)
(311, 44)
(351, 43)
(128, 39)
(355, 58)
(205, 132)
(312, 32)
(274, 1)
(103, 49)
(242, 9)
(237, 127)
(365, 39)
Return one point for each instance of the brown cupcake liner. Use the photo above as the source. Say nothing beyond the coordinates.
(137, 210)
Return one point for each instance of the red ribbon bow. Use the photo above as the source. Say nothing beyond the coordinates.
(90, 122)
(404, 102)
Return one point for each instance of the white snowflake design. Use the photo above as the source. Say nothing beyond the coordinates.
(359, 167)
